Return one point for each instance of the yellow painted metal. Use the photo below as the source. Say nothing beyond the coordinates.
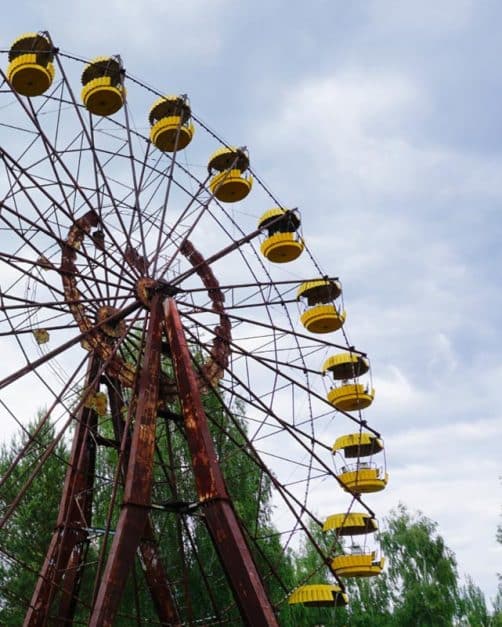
(282, 247)
(32, 43)
(323, 319)
(319, 595)
(98, 402)
(269, 215)
(230, 185)
(165, 135)
(228, 158)
(100, 67)
(168, 106)
(351, 524)
(364, 480)
(28, 77)
(351, 397)
(41, 336)
(358, 444)
(101, 97)
(346, 365)
(320, 291)
(357, 565)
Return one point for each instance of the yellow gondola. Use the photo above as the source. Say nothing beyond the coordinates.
(358, 444)
(346, 365)
(321, 314)
(30, 70)
(363, 477)
(41, 336)
(319, 595)
(351, 397)
(103, 93)
(171, 126)
(351, 524)
(230, 183)
(281, 245)
(357, 564)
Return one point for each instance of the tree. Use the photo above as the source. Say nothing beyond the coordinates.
(419, 587)
(29, 529)
(184, 537)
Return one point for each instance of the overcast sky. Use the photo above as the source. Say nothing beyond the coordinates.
(381, 120)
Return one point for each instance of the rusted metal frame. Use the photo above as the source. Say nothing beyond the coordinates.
(262, 284)
(284, 425)
(96, 159)
(263, 362)
(67, 212)
(194, 197)
(254, 456)
(43, 458)
(285, 331)
(29, 243)
(136, 207)
(41, 424)
(51, 152)
(71, 586)
(219, 514)
(138, 485)
(171, 478)
(217, 256)
(78, 338)
(136, 188)
(75, 509)
(55, 440)
(166, 197)
(193, 546)
(55, 305)
(99, 196)
(154, 572)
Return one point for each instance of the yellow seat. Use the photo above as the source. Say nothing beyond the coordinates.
(102, 98)
(320, 291)
(323, 319)
(282, 244)
(346, 365)
(350, 397)
(364, 480)
(30, 70)
(358, 444)
(171, 128)
(319, 595)
(169, 134)
(282, 247)
(353, 565)
(103, 93)
(351, 524)
(41, 336)
(230, 185)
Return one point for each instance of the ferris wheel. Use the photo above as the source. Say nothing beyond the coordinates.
(162, 311)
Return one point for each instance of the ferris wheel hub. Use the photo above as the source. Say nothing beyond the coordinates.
(146, 287)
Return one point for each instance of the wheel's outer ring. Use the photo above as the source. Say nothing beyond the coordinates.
(211, 370)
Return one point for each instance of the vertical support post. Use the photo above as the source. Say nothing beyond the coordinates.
(153, 569)
(221, 519)
(74, 515)
(138, 485)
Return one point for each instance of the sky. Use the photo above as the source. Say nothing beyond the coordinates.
(380, 120)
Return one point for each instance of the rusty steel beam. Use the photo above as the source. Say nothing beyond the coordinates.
(152, 566)
(219, 514)
(75, 512)
(138, 485)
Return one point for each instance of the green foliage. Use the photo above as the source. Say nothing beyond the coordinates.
(419, 587)
(30, 528)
